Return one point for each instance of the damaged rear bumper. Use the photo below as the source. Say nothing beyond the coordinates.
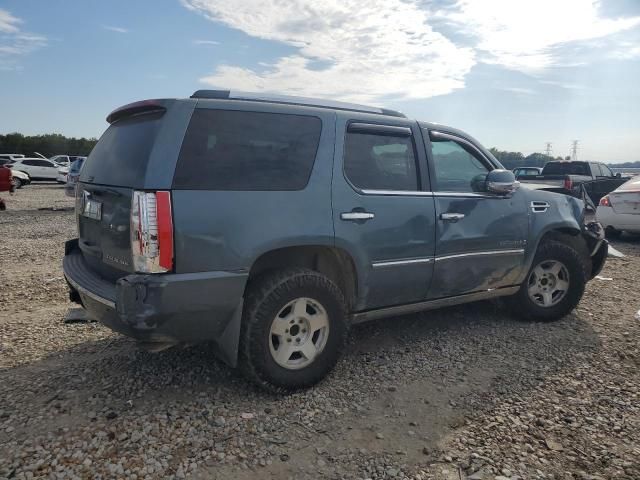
(167, 308)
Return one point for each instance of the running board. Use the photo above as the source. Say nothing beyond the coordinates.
(360, 317)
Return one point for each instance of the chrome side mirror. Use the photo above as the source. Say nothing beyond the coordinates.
(502, 182)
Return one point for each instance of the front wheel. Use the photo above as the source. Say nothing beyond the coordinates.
(17, 183)
(554, 285)
(294, 329)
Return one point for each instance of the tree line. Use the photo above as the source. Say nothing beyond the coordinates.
(56, 144)
(48, 145)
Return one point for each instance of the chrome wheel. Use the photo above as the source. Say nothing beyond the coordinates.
(548, 283)
(298, 333)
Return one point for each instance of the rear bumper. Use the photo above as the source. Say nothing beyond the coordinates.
(620, 221)
(180, 308)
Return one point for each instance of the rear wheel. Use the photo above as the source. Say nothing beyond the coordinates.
(294, 329)
(554, 285)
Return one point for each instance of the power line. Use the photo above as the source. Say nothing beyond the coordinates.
(574, 150)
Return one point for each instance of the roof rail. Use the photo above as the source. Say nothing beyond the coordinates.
(293, 100)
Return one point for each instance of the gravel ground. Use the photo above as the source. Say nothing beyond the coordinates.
(466, 392)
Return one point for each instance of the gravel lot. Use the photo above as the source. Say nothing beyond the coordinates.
(466, 392)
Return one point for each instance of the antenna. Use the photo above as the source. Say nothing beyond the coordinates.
(574, 150)
(547, 149)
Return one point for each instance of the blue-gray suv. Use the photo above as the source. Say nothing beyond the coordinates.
(270, 225)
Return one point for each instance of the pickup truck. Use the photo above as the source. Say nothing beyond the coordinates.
(568, 177)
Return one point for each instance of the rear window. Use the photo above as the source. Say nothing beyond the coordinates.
(632, 185)
(121, 155)
(566, 168)
(234, 150)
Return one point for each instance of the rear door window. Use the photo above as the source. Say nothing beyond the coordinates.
(380, 162)
(236, 150)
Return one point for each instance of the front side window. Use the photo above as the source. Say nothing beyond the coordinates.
(235, 150)
(458, 167)
(380, 162)
(32, 163)
(606, 171)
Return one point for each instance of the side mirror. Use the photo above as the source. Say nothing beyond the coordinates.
(502, 182)
(618, 175)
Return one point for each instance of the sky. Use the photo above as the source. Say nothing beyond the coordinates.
(515, 74)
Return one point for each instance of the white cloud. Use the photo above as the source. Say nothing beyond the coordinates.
(8, 23)
(382, 48)
(400, 49)
(522, 35)
(205, 42)
(115, 29)
(627, 51)
(15, 43)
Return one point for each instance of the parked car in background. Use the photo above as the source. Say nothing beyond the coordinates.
(20, 179)
(65, 160)
(63, 171)
(72, 177)
(526, 172)
(9, 157)
(37, 168)
(619, 211)
(570, 176)
(319, 215)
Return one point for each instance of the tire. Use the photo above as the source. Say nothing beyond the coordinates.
(17, 182)
(270, 306)
(528, 302)
(612, 233)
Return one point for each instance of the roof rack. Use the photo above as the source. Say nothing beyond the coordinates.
(293, 100)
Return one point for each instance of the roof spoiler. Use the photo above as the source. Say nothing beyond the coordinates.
(136, 108)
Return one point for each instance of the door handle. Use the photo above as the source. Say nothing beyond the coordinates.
(451, 217)
(356, 216)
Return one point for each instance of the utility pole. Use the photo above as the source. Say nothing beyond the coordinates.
(547, 149)
(574, 150)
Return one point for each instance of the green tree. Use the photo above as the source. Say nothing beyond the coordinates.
(48, 145)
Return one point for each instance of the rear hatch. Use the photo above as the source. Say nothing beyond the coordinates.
(116, 167)
(626, 199)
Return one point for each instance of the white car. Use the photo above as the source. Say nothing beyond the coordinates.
(19, 178)
(63, 172)
(37, 168)
(619, 211)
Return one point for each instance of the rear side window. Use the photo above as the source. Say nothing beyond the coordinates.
(380, 162)
(566, 168)
(234, 150)
(121, 156)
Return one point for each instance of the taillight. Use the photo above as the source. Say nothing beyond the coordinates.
(604, 201)
(568, 183)
(152, 232)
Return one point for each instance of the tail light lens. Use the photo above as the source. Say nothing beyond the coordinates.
(568, 183)
(604, 201)
(152, 232)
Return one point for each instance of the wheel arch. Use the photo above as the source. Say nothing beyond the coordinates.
(334, 262)
(564, 233)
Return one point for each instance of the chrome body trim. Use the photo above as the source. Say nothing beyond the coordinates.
(451, 217)
(404, 193)
(466, 195)
(357, 216)
(90, 294)
(360, 317)
(538, 206)
(394, 263)
(514, 251)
